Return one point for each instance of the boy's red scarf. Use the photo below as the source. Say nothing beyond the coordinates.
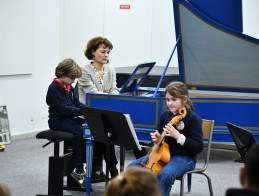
(67, 88)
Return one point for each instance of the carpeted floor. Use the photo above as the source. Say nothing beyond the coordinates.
(24, 168)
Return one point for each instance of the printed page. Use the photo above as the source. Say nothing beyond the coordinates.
(132, 130)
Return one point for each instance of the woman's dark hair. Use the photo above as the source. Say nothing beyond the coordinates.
(68, 68)
(179, 90)
(94, 43)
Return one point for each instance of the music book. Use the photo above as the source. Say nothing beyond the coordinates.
(127, 116)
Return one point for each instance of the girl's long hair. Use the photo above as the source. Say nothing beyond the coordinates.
(179, 90)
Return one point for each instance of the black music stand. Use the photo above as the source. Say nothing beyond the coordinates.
(243, 139)
(111, 128)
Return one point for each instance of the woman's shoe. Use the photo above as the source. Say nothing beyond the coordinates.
(98, 175)
(113, 171)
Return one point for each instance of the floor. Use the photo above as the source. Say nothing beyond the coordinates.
(24, 168)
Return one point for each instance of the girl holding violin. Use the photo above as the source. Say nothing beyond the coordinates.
(184, 138)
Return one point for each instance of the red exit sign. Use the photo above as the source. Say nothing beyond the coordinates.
(124, 6)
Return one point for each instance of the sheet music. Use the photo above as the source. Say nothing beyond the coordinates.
(127, 116)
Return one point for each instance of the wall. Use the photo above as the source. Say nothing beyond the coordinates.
(141, 33)
(17, 35)
(128, 29)
(24, 95)
(250, 18)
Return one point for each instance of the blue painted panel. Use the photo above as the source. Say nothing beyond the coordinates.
(219, 137)
(240, 112)
(229, 89)
(143, 137)
(228, 13)
(222, 138)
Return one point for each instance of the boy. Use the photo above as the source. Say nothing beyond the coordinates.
(64, 109)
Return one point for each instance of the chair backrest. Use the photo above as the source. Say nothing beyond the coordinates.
(76, 89)
(243, 139)
(207, 127)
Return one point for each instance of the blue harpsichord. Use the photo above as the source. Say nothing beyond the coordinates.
(217, 62)
(145, 106)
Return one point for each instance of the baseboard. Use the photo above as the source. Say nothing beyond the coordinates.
(224, 146)
(25, 135)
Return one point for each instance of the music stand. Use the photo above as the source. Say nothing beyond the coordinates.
(243, 139)
(111, 128)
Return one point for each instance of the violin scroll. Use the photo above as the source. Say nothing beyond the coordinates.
(182, 111)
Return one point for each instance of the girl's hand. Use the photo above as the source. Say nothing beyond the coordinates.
(155, 136)
(171, 131)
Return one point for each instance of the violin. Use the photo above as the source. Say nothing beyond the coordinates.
(160, 154)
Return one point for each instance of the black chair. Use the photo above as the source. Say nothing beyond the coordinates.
(76, 89)
(243, 139)
(60, 165)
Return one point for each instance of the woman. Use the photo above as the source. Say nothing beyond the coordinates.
(98, 77)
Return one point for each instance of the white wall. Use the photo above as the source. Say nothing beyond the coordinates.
(141, 33)
(17, 37)
(81, 21)
(54, 39)
(250, 18)
(24, 95)
(163, 33)
(128, 29)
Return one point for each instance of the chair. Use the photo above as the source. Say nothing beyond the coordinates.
(243, 139)
(60, 165)
(76, 89)
(207, 127)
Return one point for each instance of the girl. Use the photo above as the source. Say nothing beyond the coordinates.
(185, 140)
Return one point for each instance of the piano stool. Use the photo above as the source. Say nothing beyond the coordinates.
(60, 165)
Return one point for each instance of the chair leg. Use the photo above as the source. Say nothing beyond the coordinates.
(189, 178)
(182, 187)
(209, 183)
(55, 182)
